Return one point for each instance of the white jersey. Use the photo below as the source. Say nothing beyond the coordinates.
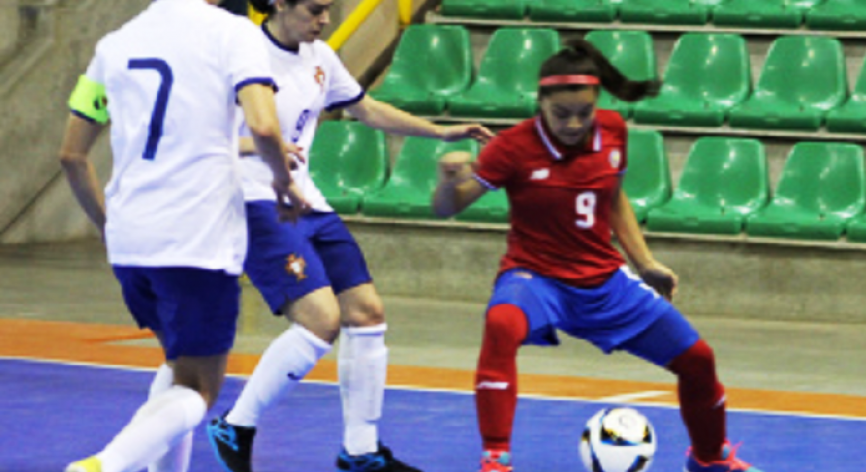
(171, 75)
(310, 79)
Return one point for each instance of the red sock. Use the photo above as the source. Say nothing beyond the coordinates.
(702, 400)
(496, 378)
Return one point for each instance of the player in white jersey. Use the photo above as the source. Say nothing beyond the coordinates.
(173, 215)
(314, 273)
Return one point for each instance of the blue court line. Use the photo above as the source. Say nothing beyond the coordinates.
(54, 413)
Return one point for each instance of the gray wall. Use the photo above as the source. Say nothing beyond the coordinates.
(9, 22)
(35, 204)
(720, 278)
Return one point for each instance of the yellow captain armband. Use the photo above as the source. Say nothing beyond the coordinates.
(89, 101)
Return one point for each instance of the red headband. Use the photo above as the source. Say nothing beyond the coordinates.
(569, 80)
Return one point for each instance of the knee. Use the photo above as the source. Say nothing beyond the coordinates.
(367, 311)
(505, 327)
(698, 361)
(321, 318)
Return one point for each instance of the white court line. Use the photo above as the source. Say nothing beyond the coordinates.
(630, 397)
(415, 388)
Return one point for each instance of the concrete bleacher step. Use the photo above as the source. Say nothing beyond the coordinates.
(726, 130)
(618, 25)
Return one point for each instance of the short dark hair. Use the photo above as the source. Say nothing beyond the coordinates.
(265, 6)
(581, 57)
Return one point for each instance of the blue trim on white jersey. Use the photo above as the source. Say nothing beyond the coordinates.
(257, 80)
(83, 116)
(346, 103)
(277, 42)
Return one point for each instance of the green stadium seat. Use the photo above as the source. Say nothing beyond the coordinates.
(348, 160)
(665, 12)
(508, 77)
(851, 117)
(762, 14)
(706, 76)
(856, 229)
(432, 63)
(821, 188)
(410, 188)
(577, 11)
(486, 9)
(648, 179)
(632, 53)
(802, 78)
(724, 181)
(838, 15)
(491, 208)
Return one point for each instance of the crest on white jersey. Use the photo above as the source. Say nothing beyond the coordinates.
(320, 77)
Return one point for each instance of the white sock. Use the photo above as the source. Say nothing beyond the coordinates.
(177, 458)
(363, 366)
(285, 362)
(157, 426)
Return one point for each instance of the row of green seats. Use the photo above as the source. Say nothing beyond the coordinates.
(350, 165)
(840, 15)
(724, 187)
(803, 83)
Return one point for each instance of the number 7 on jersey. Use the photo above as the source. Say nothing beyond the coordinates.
(158, 116)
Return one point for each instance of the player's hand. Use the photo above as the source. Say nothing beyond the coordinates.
(455, 166)
(471, 131)
(296, 155)
(661, 279)
(291, 203)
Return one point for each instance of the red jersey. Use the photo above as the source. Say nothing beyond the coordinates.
(560, 198)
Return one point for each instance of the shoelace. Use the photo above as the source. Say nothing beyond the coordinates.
(227, 436)
(732, 461)
(736, 464)
(491, 463)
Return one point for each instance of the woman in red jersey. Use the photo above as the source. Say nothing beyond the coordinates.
(562, 171)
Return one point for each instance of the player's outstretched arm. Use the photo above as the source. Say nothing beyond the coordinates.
(456, 189)
(388, 118)
(78, 139)
(260, 112)
(628, 233)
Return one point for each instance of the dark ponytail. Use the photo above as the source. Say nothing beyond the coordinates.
(580, 57)
(263, 6)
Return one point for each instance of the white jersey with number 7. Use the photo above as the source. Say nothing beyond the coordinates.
(171, 77)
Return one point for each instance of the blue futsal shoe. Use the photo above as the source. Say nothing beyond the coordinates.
(729, 463)
(382, 460)
(233, 445)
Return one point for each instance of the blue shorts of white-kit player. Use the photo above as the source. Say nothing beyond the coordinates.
(194, 311)
(623, 313)
(287, 261)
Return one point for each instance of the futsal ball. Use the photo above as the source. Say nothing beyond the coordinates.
(618, 440)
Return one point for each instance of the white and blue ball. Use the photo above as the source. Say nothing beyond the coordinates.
(618, 440)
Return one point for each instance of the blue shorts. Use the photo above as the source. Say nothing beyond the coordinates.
(195, 311)
(287, 261)
(621, 314)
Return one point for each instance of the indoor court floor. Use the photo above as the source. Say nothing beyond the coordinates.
(73, 369)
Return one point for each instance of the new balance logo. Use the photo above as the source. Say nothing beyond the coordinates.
(485, 385)
(540, 174)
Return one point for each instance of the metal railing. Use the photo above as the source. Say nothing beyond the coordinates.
(354, 21)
